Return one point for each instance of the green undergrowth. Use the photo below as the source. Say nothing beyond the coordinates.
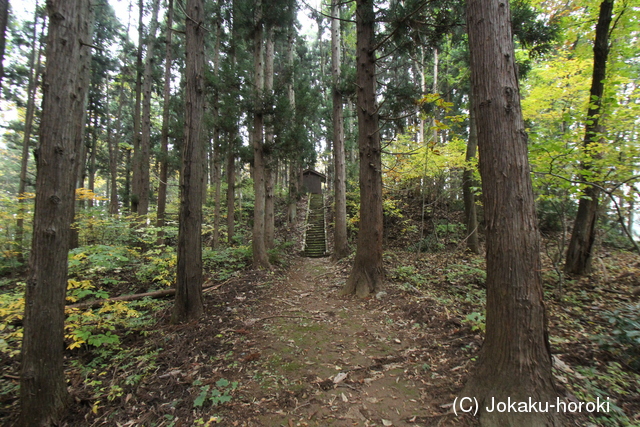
(585, 322)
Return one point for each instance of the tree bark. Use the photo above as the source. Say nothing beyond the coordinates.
(216, 166)
(580, 251)
(231, 186)
(34, 77)
(232, 135)
(113, 154)
(142, 173)
(270, 163)
(4, 19)
(294, 168)
(137, 113)
(43, 392)
(471, 217)
(340, 243)
(164, 136)
(260, 258)
(92, 158)
(80, 172)
(367, 273)
(515, 362)
(189, 305)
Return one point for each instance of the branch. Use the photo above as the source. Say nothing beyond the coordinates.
(329, 16)
(157, 294)
(609, 194)
(199, 24)
(91, 46)
(391, 34)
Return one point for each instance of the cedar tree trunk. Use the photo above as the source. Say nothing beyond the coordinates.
(4, 19)
(188, 305)
(43, 390)
(367, 273)
(471, 217)
(164, 135)
(270, 163)
(260, 258)
(515, 361)
(34, 77)
(135, 161)
(142, 174)
(340, 244)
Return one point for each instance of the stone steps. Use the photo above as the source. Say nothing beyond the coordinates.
(315, 239)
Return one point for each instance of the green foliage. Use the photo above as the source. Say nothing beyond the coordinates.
(623, 337)
(464, 273)
(476, 320)
(219, 394)
(430, 243)
(100, 261)
(11, 313)
(606, 384)
(97, 327)
(227, 262)
(407, 274)
(276, 255)
(159, 267)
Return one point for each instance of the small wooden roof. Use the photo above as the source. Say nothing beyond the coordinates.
(316, 173)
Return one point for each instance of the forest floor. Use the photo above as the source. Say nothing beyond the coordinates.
(282, 348)
(286, 350)
(318, 359)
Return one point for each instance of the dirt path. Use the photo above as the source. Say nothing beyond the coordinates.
(316, 359)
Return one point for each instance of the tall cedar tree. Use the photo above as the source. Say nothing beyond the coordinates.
(341, 246)
(141, 174)
(294, 164)
(367, 273)
(137, 113)
(34, 77)
(468, 182)
(260, 258)
(270, 161)
(188, 304)
(164, 136)
(216, 159)
(4, 19)
(579, 253)
(515, 362)
(43, 390)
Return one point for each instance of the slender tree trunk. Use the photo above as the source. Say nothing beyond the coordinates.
(113, 155)
(269, 172)
(367, 274)
(164, 138)
(580, 251)
(423, 92)
(260, 258)
(136, 159)
(471, 218)
(80, 171)
(515, 362)
(231, 184)
(4, 19)
(294, 189)
(216, 166)
(341, 245)
(92, 159)
(231, 146)
(142, 174)
(43, 391)
(34, 77)
(188, 304)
